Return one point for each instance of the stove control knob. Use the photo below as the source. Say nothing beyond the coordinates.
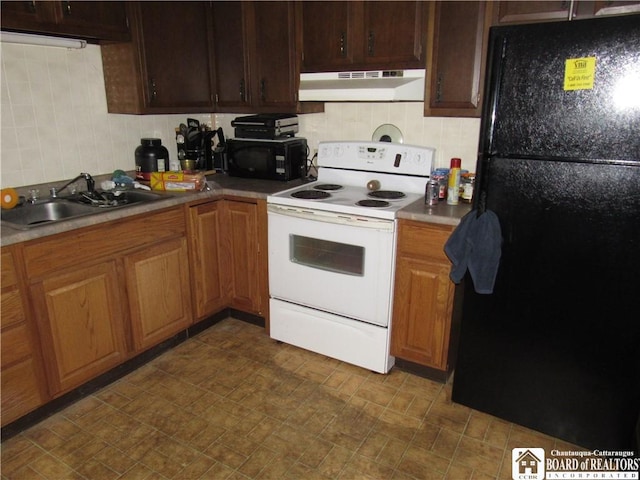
(419, 159)
(373, 185)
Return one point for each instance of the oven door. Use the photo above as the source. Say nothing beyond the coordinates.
(332, 262)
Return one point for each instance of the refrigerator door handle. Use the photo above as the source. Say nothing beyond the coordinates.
(494, 87)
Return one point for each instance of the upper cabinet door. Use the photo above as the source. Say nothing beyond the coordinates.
(330, 35)
(544, 11)
(393, 33)
(255, 57)
(109, 18)
(534, 11)
(458, 33)
(273, 61)
(363, 35)
(231, 62)
(174, 52)
(95, 20)
(29, 16)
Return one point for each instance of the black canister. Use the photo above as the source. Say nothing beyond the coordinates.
(151, 156)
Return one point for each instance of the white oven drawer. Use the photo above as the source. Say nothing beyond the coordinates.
(343, 267)
(354, 342)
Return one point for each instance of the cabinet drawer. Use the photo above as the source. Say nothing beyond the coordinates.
(15, 344)
(70, 249)
(12, 311)
(423, 239)
(9, 276)
(20, 392)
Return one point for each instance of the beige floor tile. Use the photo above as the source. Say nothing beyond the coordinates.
(231, 403)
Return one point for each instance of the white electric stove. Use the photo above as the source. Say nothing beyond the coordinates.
(332, 250)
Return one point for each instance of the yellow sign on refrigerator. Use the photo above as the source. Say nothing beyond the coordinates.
(579, 73)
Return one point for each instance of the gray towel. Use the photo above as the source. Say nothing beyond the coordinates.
(476, 244)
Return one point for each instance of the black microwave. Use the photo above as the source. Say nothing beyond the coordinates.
(284, 159)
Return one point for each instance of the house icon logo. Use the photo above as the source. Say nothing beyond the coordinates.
(527, 464)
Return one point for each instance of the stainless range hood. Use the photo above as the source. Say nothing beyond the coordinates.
(363, 86)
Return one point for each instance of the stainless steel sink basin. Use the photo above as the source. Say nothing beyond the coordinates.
(29, 216)
(59, 209)
(117, 199)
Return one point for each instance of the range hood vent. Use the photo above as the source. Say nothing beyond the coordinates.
(363, 86)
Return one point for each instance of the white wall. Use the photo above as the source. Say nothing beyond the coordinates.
(55, 124)
(451, 137)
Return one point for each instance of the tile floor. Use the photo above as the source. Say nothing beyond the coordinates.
(231, 403)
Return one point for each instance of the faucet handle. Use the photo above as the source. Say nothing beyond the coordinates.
(34, 193)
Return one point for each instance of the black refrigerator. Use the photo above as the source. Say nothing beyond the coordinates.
(556, 346)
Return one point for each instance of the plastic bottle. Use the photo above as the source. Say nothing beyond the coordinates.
(151, 156)
(453, 192)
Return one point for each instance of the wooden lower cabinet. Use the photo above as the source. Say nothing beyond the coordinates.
(206, 236)
(423, 296)
(228, 254)
(105, 293)
(245, 254)
(23, 382)
(81, 323)
(158, 287)
(101, 295)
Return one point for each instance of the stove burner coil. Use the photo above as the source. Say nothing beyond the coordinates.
(387, 194)
(328, 186)
(311, 194)
(373, 203)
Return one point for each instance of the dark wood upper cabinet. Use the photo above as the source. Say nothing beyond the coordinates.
(231, 63)
(394, 34)
(91, 20)
(329, 35)
(544, 11)
(275, 79)
(166, 66)
(458, 34)
(363, 35)
(255, 57)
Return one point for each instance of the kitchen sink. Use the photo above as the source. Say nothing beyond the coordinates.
(114, 199)
(53, 210)
(42, 213)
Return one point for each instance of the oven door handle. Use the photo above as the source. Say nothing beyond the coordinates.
(332, 217)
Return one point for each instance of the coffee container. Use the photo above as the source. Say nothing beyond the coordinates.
(151, 156)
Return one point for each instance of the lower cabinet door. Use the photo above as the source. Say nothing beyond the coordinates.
(159, 292)
(205, 242)
(80, 316)
(422, 312)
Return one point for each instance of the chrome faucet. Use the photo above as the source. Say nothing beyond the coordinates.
(91, 185)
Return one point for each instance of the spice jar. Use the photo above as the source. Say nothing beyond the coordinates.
(467, 183)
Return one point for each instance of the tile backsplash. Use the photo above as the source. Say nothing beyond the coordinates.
(55, 124)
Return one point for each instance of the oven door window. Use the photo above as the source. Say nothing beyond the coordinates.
(327, 255)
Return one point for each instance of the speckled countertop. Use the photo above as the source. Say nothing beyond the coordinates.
(442, 213)
(220, 185)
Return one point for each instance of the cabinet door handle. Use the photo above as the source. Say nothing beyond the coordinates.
(343, 45)
(370, 43)
(154, 90)
(31, 6)
(263, 90)
(242, 90)
(439, 88)
(67, 8)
